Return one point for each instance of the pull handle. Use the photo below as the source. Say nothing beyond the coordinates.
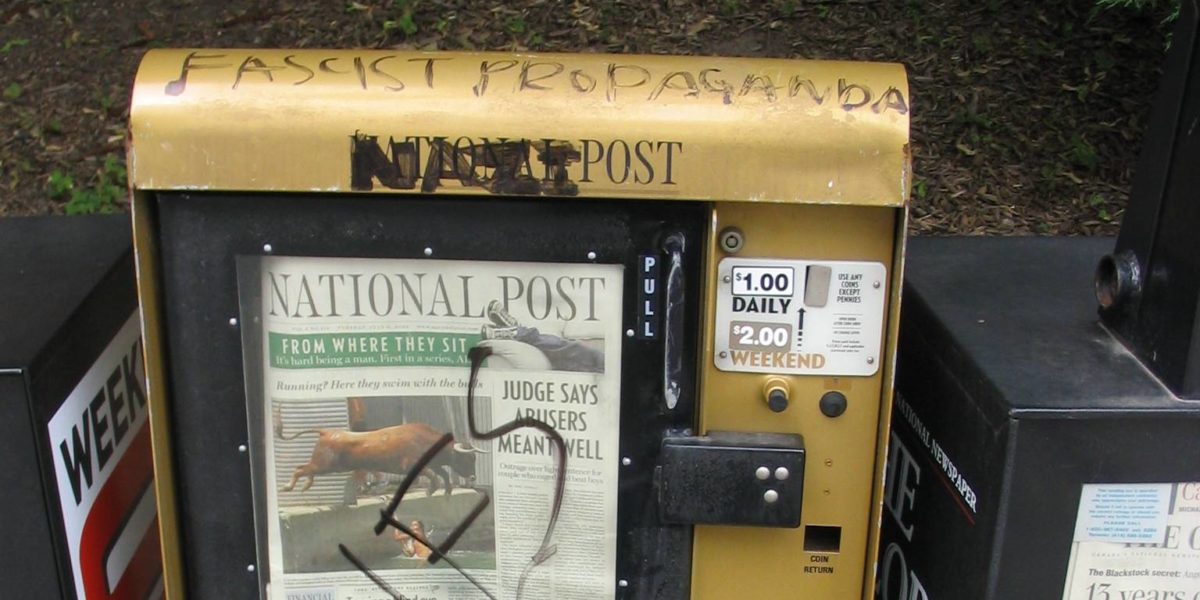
(673, 316)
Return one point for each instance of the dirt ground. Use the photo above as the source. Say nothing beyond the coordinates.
(1027, 116)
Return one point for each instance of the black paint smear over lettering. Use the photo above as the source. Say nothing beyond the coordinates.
(398, 165)
(387, 516)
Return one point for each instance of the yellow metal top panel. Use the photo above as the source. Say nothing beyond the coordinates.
(560, 125)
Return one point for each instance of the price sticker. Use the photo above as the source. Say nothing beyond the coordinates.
(800, 317)
(764, 281)
(757, 336)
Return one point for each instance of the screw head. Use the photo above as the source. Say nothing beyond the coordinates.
(622, 583)
(591, 255)
(770, 496)
(723, 354)
(762, 473)
(267, 248)
(876, 284)
(629, 333)
(428, 251)
(250, 568)
(233, 322)
(242, 448)
(627, 461)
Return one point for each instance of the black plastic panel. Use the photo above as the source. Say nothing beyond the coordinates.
(1161, 322)
(201, 236)
(66, 288)
(1010, 398)
(28, 553)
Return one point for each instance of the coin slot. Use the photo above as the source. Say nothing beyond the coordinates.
(822, 538)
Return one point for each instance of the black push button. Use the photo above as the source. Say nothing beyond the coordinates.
(833, 404)
(777, 400)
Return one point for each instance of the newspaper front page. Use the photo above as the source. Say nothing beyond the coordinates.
(1136, 541)
(365, 367)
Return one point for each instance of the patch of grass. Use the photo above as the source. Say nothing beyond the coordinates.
(1142, 6)
(971, 118)
(1168, 10)
(13, 43)
(404, 22)
(914, 9)
(516, 25)
(1104, 60)
(60, 184)
(12, 92)
(106, 101)
(1082, 153)
(982, 42)
(1098, 202)
(103, 197)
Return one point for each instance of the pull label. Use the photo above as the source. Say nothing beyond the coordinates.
(648, 304)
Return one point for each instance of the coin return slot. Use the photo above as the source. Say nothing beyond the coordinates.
(822, 538)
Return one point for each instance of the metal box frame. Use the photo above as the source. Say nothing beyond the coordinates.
(809, 159)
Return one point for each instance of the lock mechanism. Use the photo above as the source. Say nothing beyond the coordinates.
(777, 393)
(732, 478)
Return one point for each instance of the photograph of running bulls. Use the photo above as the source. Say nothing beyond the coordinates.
(339, 461)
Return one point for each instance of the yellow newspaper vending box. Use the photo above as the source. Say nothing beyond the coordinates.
(450, 325)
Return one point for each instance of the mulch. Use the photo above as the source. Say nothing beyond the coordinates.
(1027, 116)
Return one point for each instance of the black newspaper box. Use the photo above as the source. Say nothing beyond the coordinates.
(1031, 455)
(76, 474)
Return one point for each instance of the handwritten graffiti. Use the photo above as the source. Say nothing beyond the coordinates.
(612, 80)
(373, 73)
(387, 516)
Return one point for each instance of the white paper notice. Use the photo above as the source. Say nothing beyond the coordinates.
(1123, 513)
(1136, 541)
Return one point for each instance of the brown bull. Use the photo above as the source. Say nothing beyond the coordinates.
(392, 449)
